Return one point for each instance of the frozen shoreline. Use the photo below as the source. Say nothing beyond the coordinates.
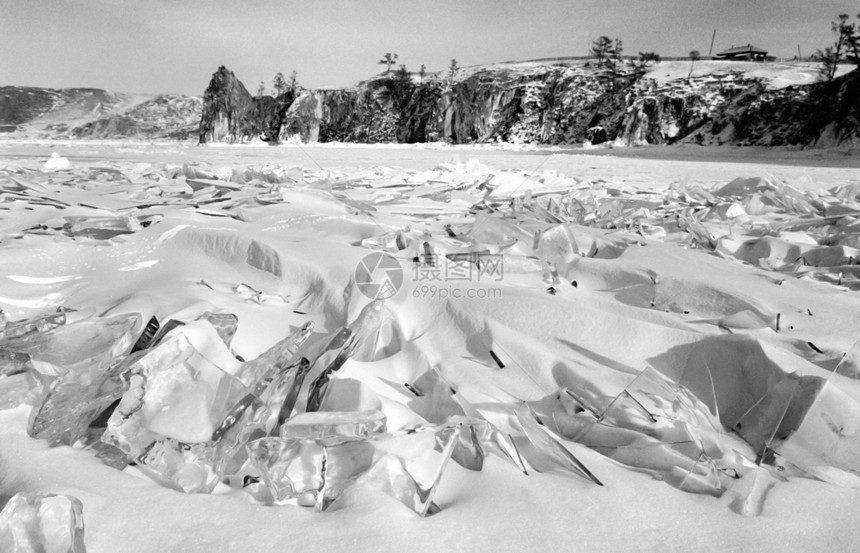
(650, 292)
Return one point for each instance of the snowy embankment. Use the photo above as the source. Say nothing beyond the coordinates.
(552, 362)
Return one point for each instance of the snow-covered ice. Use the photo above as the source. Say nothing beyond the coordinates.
(555, 352)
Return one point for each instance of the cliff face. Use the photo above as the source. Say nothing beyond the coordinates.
(546, 104)
(228, 109)
(231, 114)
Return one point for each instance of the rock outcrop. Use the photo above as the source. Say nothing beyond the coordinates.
(231, 114)
(561, 103)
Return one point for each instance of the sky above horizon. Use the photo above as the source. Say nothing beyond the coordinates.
(152, 46)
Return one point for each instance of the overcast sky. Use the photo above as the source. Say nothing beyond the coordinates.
(176, 45)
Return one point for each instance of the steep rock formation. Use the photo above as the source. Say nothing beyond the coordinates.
(561, 103)
(231, 114)
(228, 109)
(822, 115)
(733, 109)
(301, 119)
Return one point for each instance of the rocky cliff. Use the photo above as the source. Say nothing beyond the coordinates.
(554, 103)
(231, 114)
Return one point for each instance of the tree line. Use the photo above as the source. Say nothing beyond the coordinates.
(281, 85)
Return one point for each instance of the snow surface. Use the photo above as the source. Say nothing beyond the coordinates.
(601, 332)
(777, 74)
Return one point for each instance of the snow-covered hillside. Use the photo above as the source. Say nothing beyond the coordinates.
(41, 113)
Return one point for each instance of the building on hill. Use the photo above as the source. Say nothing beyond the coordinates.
(748, 52)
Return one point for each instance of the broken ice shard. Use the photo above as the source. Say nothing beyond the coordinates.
(252, 372)
(174, 391)
(342, 343)
(308, 472)
(656, 406)
(391, 242)
(409, 465)
(318, 456)
(779, 413)
(360, 337)
(556, 245)
(75, 365)
(102, 228)
(332, 428)
(183, 418)
(225, 324)
(42, 323)
(475, 438)
(546, 453)
(283, 393)
(439, 403)
(368, 328)
(43, 523)
(198, 467)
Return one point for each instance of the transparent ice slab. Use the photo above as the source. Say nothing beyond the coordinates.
(183, 419)
(102, 228)
(332, 428)
(545, 452)
(409, 465)
(252, 372)
(317, 456)
(78, 368)
(322, 454)
(42, 523)
(42, 323)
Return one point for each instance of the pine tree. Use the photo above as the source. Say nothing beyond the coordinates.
(293, 85)
(452, 72)
(616, 51)
(388, 60)
(847, 44)
(601, 48)
(453, 68)
(279, 84)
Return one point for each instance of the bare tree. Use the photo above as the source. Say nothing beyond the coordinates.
(261, 90)
(388, 60)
